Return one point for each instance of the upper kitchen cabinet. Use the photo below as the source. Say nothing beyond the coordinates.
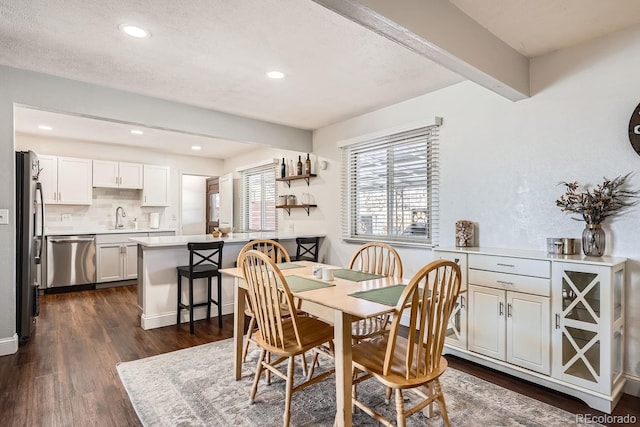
(155, 191)
(107, 174)
(66, 180)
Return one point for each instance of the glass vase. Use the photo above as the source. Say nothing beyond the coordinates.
(593, 240)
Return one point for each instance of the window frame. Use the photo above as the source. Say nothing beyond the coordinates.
(388, 141)
(267, 170)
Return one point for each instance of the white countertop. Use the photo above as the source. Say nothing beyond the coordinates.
(525, 253)
(69, 231)
(168, 241)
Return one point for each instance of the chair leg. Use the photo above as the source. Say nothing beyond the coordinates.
(289, 392)
(400, 417)
(259, 370)
(443, 406)
(252, 323)
(219, 301)
(208, 297)
(179, 298)
(191, 305)
(387, 395)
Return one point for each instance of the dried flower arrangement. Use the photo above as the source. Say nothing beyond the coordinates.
(605, 200)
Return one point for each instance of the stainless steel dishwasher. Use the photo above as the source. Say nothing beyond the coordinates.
(71, 260)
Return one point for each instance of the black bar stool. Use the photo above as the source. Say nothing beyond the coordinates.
(307, 249)
(205, 266)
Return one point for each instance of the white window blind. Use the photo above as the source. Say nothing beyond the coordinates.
(390, 188)
(259, 198)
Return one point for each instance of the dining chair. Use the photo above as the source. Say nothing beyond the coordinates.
(375, 258)
(307, 249)
(413, 363)
(284, 337)
(205, 260)
(276, 253)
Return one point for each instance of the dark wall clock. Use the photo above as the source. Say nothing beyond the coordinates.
(634, 129)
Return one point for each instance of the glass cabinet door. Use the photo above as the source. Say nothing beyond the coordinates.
(581, 341)
(456, 334)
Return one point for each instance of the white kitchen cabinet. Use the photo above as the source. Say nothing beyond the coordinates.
(49, 178)
(108, 174)
(155, 190)
(588, 334)
(116, 257)
(66, 180)
(509, 312)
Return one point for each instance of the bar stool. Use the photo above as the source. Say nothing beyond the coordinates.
(307, 249)
(201, 266)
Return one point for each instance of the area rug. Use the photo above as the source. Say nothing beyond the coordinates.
(195, 387)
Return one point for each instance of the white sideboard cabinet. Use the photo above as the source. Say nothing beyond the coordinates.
(555, 320)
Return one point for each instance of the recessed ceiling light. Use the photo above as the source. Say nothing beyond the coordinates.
(134, 31)
(45, 127)
(136, 132)
(276, 75)
(196, 147)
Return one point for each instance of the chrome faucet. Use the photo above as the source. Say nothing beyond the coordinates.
(118, 218)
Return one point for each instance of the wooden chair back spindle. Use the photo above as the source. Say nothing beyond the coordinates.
(377, 258)
(430, 298)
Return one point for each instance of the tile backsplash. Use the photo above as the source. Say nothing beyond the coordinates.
(102, 213)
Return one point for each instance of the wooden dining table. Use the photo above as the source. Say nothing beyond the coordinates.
(332, 304)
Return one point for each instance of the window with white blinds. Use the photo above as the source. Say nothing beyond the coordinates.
(390, 186)
(259, 199)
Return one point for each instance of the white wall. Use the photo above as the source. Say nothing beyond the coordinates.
(501, 161)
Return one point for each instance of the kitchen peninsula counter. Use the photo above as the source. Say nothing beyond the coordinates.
(158, 258)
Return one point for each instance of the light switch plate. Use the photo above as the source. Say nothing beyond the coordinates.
(4, 216)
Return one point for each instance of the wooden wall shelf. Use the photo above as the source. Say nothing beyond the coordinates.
(289, 207)
(287, 179)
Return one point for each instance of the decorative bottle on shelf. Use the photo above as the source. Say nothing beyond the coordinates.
(299, 166)
(292, 170)
(307, 166)
(283, 169)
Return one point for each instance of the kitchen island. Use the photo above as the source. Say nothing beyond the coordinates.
(158, 258)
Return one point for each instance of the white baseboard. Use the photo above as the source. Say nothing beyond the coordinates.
(632, 386)
(167, 319)
(9, 345)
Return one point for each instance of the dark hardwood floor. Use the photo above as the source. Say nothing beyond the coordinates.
(65, 375)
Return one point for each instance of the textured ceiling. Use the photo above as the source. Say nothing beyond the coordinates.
(214, 53)
(537, 27)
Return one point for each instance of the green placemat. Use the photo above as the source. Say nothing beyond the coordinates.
(355, 276)
(301, 284)
(388, 295)
(288, 265)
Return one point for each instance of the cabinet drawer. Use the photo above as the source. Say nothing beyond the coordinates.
(511, 282)
(524, 266)
(458, 258)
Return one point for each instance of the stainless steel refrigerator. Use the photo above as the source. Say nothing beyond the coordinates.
(29, 241)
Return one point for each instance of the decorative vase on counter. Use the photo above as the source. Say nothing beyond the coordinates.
(593, 240)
